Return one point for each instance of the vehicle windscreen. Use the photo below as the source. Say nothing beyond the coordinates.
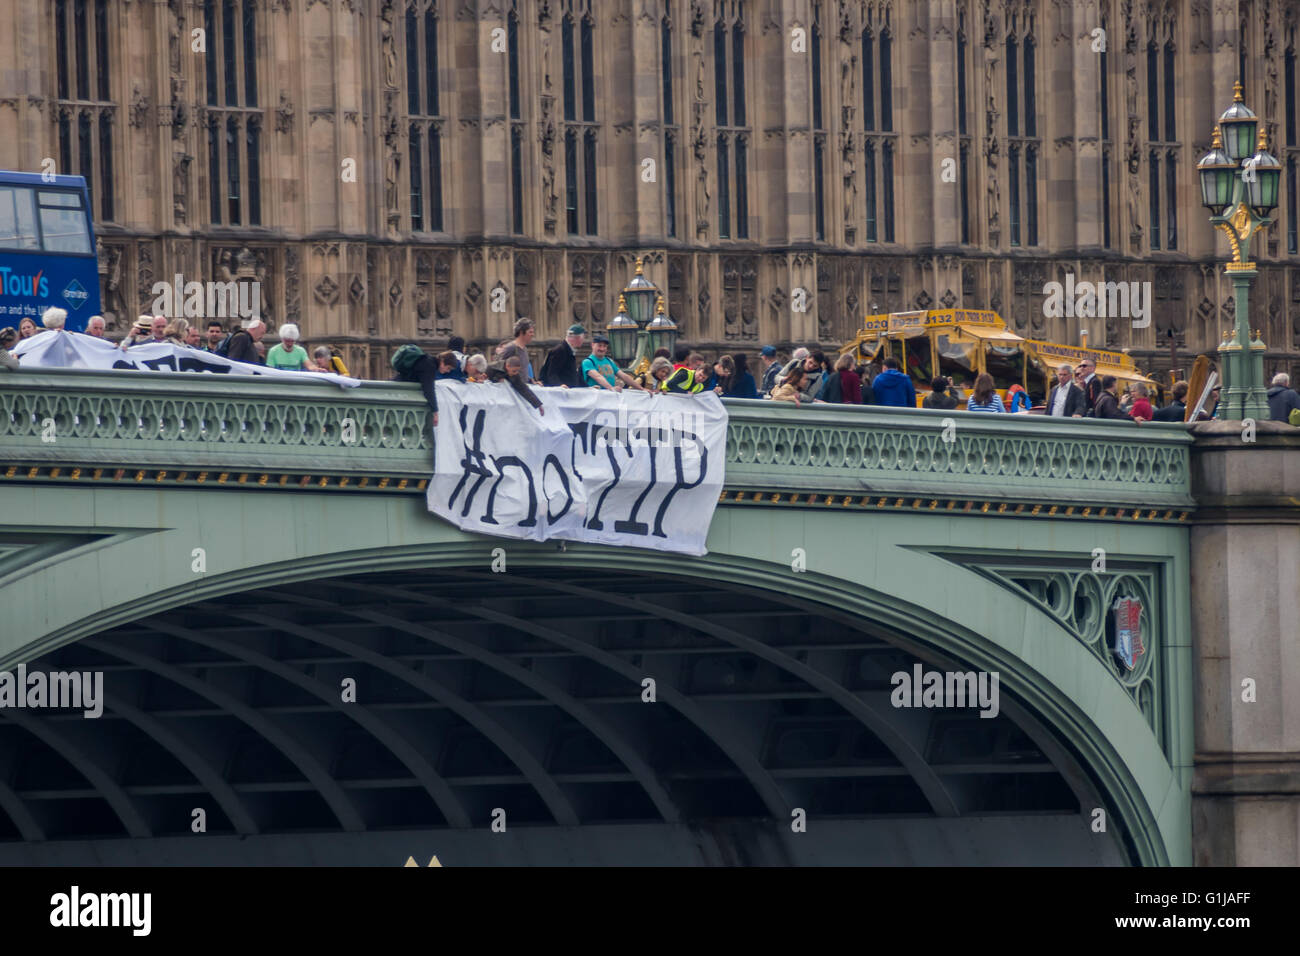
(957, 360)
(1006, 363)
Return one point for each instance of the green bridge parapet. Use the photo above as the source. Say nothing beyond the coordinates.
(68, 425)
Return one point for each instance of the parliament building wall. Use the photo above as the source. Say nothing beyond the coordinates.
(396, 170)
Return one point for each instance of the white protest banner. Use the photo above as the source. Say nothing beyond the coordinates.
(62, 349)
(627, 468)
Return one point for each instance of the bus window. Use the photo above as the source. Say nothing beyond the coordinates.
(1006, 363)
(916, 356)
(957, 361)
(17, 218)
(63, 223)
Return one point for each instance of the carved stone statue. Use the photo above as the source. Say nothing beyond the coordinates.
(1135, 196)
(390, 49)
(848, 62)
(390, 180)
(702, 197)
(180, 184)
(994, 195)
(848, 157)
(699, 75)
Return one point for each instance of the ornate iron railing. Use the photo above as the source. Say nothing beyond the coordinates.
(53, 420)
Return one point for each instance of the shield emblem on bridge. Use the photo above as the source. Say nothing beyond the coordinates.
(1128, 631)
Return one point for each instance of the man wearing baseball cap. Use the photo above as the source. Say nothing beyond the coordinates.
(600, 370)
(561, 365)
(770, 369)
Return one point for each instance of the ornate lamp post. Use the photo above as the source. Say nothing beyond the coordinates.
(1241, 191)
(633, 325)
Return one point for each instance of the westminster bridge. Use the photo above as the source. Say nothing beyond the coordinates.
(301, 665)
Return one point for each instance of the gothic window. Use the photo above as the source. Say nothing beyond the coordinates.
(963, 178)
(1291, 206)
(1106, 160)
(819, 184)
(886, 80)
(1024, 147)
(819, 128)
(1013, 126)
(1155, 199)
(670, 130)
(1107, 150)
(733, 133)
(868, 80)
(589, 176)
(571, 181)
(881, 143)
(417, 184)
(424, 113)
(231, 30)
(887, 187)
(1031, 121)
(869, 184)
(84, 109)
(963, 123)
(961, 71)
(816, 51)
(1013, 165)
(566, 55)
(1291, 152)
(588, 73)
(1153, 91)
(580, 134)
(1289, 83)
(724, 188)
(517, 178)
(512, 43)
(1161, 77)
(233, 116)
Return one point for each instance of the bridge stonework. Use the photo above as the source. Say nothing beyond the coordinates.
(965, 542)
(1245, 587)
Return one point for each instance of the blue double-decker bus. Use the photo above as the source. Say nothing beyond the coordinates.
(47, 248)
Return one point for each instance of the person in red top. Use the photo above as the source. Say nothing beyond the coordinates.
(1141, 410)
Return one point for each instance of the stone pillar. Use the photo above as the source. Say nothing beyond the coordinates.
(1245, 585)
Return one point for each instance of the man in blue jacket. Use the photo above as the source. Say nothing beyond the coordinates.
(892, 387)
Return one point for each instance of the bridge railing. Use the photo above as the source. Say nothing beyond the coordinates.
(69, 425)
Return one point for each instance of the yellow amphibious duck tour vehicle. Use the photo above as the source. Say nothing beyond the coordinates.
(962, 343)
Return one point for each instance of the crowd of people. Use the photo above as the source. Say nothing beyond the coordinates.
(809, 376)
(241, 343)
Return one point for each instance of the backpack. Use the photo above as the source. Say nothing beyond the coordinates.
(404, 359)
(1294, 417)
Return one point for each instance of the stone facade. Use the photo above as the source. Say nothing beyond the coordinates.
(785, 166)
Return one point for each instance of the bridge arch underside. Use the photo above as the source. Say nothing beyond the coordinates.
(523, 692)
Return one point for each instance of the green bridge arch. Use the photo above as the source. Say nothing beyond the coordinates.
(950, 575)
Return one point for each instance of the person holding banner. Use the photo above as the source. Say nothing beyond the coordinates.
(600, 371)
(690, 378)
(511, 370)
